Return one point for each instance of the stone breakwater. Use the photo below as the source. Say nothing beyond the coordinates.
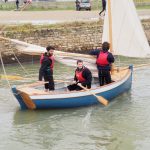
(71, 37)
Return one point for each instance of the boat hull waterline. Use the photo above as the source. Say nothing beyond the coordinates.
(75, 99)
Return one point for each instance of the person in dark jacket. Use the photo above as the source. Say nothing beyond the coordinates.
(46, 69)
(83, 76)
(103, 7)
(17, 4)
(77, 4)
(104, 62)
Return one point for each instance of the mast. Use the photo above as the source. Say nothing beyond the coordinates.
(110, 25)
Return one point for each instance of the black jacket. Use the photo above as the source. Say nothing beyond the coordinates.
(45, 69)
(87, 75)
(104, 4)
(110, 58)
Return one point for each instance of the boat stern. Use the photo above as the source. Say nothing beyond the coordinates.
(23, 99)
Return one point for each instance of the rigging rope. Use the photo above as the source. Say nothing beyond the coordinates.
(3, 67)
(21, 65)
(4, 70)
(2, 63)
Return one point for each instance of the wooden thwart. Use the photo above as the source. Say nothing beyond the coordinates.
(32, 91)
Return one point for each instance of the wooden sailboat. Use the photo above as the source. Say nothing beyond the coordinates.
(123, 42)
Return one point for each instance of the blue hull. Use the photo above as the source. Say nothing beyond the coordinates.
(78, 101)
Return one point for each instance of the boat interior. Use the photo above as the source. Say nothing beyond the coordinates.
(61, 85)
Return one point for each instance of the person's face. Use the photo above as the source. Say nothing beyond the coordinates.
(80, 65)
(51, 51)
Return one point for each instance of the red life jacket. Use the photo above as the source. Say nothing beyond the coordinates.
(79, 76)
(102, 59)
(41, 58)
(50, 57)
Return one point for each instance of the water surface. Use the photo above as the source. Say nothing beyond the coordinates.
(123, 125)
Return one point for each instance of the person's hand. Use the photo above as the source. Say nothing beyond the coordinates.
(74, 82)
(79, 84)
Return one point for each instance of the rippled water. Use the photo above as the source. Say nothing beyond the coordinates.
(123, 125)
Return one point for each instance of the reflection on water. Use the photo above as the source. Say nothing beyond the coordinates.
(123, 125)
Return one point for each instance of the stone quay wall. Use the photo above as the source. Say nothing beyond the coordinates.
(77, 37)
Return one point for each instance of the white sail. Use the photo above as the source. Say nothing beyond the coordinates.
(69, 59)
(127, 32)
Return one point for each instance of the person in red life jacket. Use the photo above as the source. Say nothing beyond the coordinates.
(82, 76)
(50, 51)
(46, 69)
(29, 1)
(104, 61)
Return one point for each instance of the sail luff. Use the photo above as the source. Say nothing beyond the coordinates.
(110, 26)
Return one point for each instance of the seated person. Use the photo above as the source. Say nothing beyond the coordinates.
(83, 76)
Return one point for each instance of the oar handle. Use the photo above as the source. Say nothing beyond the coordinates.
(135, 66)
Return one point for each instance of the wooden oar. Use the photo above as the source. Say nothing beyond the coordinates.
(99, 98)
(11, 77)
(134, 66)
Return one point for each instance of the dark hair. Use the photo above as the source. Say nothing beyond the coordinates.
(105, 46)
(79, 61)
(49, 48)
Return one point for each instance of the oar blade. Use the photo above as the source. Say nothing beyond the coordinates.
(102, 100)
